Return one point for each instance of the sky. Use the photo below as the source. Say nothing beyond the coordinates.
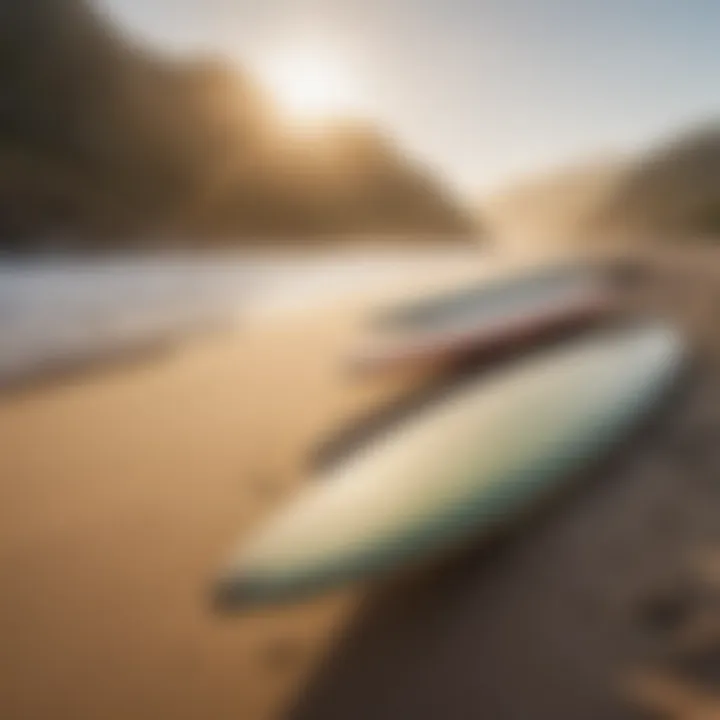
(488, 92)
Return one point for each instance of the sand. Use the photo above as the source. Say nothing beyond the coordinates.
(122, 489)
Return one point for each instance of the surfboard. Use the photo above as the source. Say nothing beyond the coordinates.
(460, 469)
(513, 311)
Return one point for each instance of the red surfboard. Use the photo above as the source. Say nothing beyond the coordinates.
(481, 320)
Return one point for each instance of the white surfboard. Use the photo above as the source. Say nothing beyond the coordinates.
(458, 470)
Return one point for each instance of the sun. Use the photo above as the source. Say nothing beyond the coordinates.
(310, 86)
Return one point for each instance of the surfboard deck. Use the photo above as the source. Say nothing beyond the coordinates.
(458, 470)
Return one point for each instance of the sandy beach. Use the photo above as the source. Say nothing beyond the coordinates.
(123, 488)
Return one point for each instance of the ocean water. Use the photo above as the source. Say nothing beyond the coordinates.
(59, 312)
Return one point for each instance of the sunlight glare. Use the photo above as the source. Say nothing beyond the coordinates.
(312, 87)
